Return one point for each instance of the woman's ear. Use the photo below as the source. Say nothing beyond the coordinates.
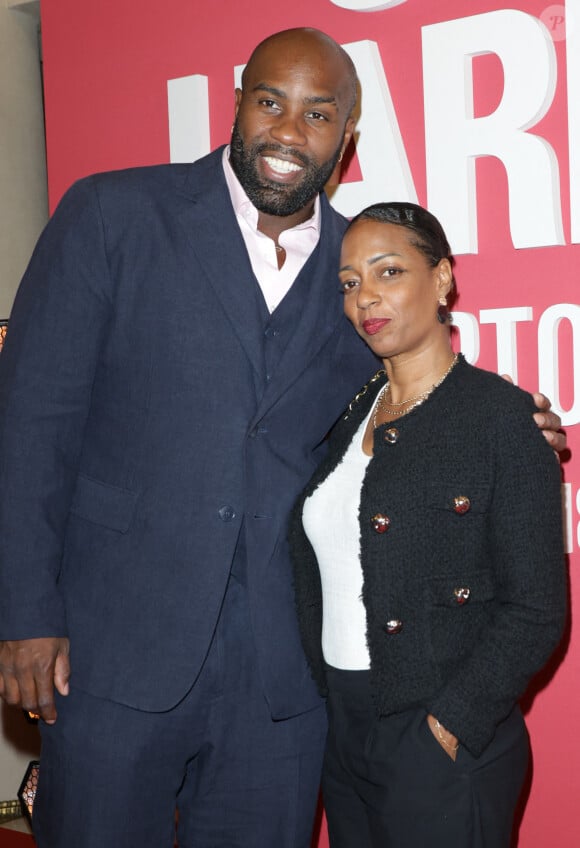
(444, 278)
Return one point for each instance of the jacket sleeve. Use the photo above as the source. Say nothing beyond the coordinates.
(527, 560)
(47, 370)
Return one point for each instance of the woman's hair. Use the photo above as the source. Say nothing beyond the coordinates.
(428, 234)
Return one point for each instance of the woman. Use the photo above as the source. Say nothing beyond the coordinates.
(429, 564)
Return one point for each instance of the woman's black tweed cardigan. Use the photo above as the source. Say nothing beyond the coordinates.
(466, 663)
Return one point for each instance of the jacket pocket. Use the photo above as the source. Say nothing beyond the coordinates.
(103, 504)
(459, 498)
(461, 590)
(461, 605)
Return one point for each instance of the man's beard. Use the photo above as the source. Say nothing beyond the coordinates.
(277, 198)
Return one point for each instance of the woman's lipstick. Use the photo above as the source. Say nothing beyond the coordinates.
(373, 325)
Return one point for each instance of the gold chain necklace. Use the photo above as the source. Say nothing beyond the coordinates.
(417, 400)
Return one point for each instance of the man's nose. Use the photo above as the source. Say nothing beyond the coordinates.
(288, 129)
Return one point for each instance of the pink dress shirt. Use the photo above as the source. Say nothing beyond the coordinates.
(298, 242)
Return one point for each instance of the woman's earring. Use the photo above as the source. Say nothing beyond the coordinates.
(442, 312)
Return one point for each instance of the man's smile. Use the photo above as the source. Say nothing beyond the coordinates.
(281, 166)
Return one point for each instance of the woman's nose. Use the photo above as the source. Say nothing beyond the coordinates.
(367, 294)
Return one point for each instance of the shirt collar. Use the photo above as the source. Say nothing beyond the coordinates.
(244, 207)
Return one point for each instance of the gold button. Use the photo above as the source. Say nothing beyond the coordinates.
(462, 595)
(461, 504)
(380, 523)
(391, 435)
(393, 627)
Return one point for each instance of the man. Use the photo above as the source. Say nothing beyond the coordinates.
(177, 354)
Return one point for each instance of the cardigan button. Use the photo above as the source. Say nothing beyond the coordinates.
(462, 595)
(391, 436)
(461, 504)
(380, 523)
(393, 627)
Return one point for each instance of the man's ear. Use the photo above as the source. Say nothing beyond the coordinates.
(348, 133)
(238, 100)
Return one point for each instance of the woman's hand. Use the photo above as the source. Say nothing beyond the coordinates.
(447, 740)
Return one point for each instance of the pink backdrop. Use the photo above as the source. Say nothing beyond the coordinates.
(107, 67)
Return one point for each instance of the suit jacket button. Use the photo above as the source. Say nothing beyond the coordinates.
(393, 627)
(391, 436)
(227, 513)
(380, 523)
(462, 595)
(461, 504)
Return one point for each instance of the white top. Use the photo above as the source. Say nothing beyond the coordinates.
(331, 522)
(298, 242)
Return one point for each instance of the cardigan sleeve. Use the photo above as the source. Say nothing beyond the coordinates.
(308, 595)
(527, 561)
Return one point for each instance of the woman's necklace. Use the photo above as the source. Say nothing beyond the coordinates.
(417, 400)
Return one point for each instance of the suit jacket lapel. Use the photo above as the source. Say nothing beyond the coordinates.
(322, 310)
(210, 226)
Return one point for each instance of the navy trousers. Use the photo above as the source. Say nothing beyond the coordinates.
(113, 776)
(387, 783)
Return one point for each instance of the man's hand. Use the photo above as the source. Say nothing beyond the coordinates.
(30, 670)
(548, 422)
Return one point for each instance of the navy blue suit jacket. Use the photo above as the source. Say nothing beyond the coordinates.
(139, 434)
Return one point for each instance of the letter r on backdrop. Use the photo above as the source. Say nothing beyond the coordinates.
(454, 138)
